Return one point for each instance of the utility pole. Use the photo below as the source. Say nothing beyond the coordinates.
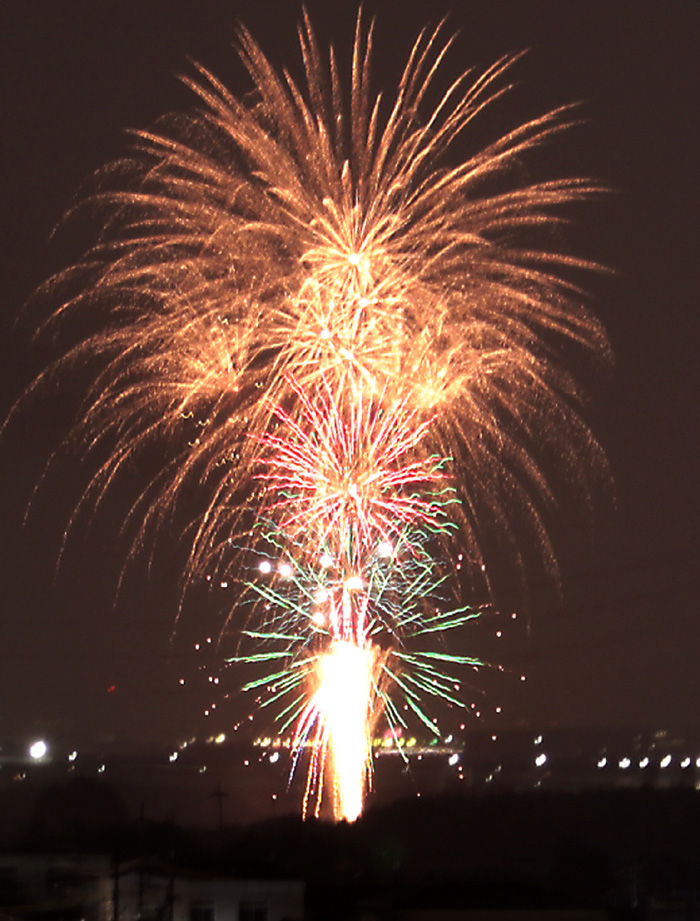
(142, 821)
(219, 795)
(115, 887)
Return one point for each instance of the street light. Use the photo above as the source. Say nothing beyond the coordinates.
(38, 749)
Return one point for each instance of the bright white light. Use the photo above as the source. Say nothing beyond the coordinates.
(665, 761)
(318, 618)
(697, 763)
(38, 749)
(275, 756)
(265, 566)
(644, 763)
(624, 763)
(354, 258)
(541, 759)
(173, 757)
(685, 763)
(538, 740)
(220, 738)
(385, 549)
(453, 759)
(285, 570)
(73, 755)
(326, 560)
(354, 583)
(347, 667)
(321, 596)
(602, 762)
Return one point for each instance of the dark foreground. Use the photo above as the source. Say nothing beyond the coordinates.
(621, 854)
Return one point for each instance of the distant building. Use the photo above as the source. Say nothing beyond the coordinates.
(91, 888)
(51, 886)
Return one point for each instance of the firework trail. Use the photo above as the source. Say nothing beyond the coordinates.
(352, 505)
(330, 321)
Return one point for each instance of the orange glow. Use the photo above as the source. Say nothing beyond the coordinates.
(350, 349)
(346, 676)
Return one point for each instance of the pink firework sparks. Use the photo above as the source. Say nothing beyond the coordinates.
(350, 471)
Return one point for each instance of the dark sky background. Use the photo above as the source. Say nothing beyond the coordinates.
(622, 648)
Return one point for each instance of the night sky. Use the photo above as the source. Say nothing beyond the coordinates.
(621, 648)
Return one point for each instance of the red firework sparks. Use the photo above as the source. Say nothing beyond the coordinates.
(349, 471)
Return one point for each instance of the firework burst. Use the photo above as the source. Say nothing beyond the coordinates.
(333, 322)
(355, 476)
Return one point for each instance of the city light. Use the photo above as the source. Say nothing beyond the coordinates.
(38, 749)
